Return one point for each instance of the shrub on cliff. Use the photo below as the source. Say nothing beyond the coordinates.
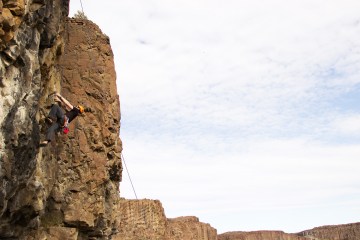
(80, 14)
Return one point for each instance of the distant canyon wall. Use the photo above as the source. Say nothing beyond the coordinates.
(335, 232)
(260, 235)
(145, 219)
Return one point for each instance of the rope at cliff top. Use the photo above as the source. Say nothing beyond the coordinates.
(92, 59)
(82, 7)
(123, 159)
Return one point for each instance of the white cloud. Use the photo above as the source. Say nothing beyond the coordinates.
(272, 175)
(348, 125)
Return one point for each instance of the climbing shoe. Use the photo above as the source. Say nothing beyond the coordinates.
(48, 120)
(43, 143)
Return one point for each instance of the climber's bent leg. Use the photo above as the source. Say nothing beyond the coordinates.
(56, 113)
(50, 135)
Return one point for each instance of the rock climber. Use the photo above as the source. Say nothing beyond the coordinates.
(58, 119)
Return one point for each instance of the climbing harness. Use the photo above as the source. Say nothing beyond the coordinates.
(65, 128)
(123, 159)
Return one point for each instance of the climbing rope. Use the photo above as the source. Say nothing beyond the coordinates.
(123, 159)
(82, 8)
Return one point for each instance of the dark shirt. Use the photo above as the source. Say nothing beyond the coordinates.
(72, 113)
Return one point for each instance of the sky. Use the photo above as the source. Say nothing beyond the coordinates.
(245, 114)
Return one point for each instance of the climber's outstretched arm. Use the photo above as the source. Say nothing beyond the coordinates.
(68, 105)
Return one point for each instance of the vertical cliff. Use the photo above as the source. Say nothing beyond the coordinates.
(85, 192)
(190, 228)
(336, 232)
(69, 189)
(141, 219)
(260, 235)
(146, 219)
(30, 43)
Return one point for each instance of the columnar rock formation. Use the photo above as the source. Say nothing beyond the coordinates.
(145, 219)
(337, 232)
(260, 235)
(86, 189)
(190, 228)
(141, 219)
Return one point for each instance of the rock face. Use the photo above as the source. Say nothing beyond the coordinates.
(70, 189)
(145, 219)
(260, 235)
(190, 228)
(30, 43)
(141, 219)
(337, 232)
(86, 190)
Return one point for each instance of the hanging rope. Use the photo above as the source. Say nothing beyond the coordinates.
(123, 159)
(82, 7)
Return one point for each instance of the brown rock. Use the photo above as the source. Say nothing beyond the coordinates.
(141, 219)
(260, 235)
(71, 182)
(190, 228)
(17, 7)
(8, 36)
(145, 219)
(56, 233)
(336, 232)
(8, 20)
(53, 233)
(90, 194)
